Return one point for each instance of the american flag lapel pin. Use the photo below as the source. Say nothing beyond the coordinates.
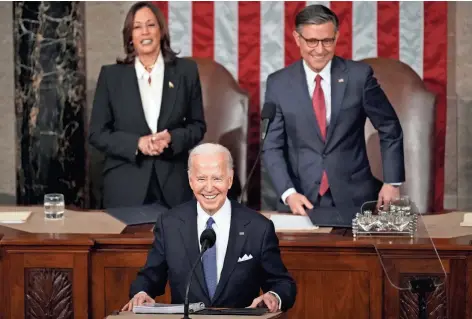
(341, 80)
(171, 85)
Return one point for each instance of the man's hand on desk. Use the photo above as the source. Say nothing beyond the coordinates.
(268, 299)
(387, 194)
(296, 201)
(138, 299)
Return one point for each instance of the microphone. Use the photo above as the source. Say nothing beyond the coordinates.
(207, 240)
(267, 116)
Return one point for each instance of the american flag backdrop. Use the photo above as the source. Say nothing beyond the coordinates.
(254, 39)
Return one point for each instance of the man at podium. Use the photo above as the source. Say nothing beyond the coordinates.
(244, 259)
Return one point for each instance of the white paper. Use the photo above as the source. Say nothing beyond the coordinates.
(292, 222)
(14, 217)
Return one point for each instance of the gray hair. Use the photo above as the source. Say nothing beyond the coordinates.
(316, 14)
(210, 148)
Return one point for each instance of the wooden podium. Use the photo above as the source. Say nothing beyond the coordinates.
(130, 315)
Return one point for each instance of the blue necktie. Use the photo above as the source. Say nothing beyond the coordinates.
(209, 264)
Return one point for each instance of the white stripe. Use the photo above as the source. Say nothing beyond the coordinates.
(226, 35)
(180, 26)
(364, 30)
(325, 3)
(272, 41)
(411, 34)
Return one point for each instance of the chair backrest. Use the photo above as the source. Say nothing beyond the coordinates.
(226, 114)
(415, 107)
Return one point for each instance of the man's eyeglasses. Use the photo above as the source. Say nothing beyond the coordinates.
(312, 43)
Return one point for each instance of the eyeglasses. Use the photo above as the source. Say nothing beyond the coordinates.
(312, 43)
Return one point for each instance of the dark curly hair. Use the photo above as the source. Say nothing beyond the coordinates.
(168, 54)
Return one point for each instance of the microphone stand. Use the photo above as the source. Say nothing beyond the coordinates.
(187, 289)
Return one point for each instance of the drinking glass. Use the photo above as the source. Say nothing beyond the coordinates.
(54, 206)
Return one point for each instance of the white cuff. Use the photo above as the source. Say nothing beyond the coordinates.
(287, 193)
(395, 184)
(277, 296)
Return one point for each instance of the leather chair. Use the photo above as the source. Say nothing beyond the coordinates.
(415, 107)
(226, 114)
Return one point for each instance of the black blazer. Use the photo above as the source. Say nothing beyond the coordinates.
(296, 155)
(118, 122)
(176, 247)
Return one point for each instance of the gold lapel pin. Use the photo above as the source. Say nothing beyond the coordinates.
(171, 85)
(341, 80)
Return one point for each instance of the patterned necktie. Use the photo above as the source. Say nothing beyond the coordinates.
(209, 264)
(320, 112)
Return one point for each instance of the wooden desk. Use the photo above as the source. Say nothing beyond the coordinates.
(130, 315)
(88, 276)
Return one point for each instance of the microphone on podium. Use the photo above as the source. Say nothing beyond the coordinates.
(207, 240)
(267, 116)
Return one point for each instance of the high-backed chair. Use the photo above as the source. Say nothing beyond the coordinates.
(415, 107)
(226, 114)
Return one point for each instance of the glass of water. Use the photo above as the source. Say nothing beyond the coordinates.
(54, 206)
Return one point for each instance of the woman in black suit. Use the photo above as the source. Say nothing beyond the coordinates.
(147, 114)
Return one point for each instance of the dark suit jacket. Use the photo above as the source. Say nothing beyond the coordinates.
(294, 152)
(176, 247)
(118, 122)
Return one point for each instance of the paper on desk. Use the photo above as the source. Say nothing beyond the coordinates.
(14, 217)
(292, 222)
(447, 225)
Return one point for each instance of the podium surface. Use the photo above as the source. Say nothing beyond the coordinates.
(130, 315)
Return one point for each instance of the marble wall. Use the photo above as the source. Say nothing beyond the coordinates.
(49, 100)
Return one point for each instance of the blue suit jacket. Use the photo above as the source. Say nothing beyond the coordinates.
(294, 152)
(176, 247)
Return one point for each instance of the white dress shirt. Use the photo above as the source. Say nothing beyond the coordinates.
(326, 86)
(221, 226)
(151, 94)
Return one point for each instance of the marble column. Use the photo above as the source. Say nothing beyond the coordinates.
(50, 100)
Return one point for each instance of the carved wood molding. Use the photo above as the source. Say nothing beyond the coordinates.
(48, 293)
(436, 301)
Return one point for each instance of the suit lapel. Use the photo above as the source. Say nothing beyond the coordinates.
(339, 79)
(189, 235)
(237, 238)
(169, 94)
(133, 96)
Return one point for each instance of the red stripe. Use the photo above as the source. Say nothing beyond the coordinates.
(435, 77)
(388, 26)
(164, 7)
(343, 10)
(203, 35)
(249, 53)
(292, 52)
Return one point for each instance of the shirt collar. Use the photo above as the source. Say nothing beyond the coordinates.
(141, 70)
(221, 217)
(325, 73)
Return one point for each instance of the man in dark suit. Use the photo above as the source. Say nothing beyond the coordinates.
(244, 259)
(315, 148)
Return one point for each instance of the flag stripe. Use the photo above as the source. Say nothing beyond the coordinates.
(180, 26)
(411, 35)
(272, 40)
(292, 53)
(249, 70)
(364, 25)
(163, 6)
(343, 10)
(388, 29)
(435, 77)
(226, 35)
(203, 38)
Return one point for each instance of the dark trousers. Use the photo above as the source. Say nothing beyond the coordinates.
(154, 192)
